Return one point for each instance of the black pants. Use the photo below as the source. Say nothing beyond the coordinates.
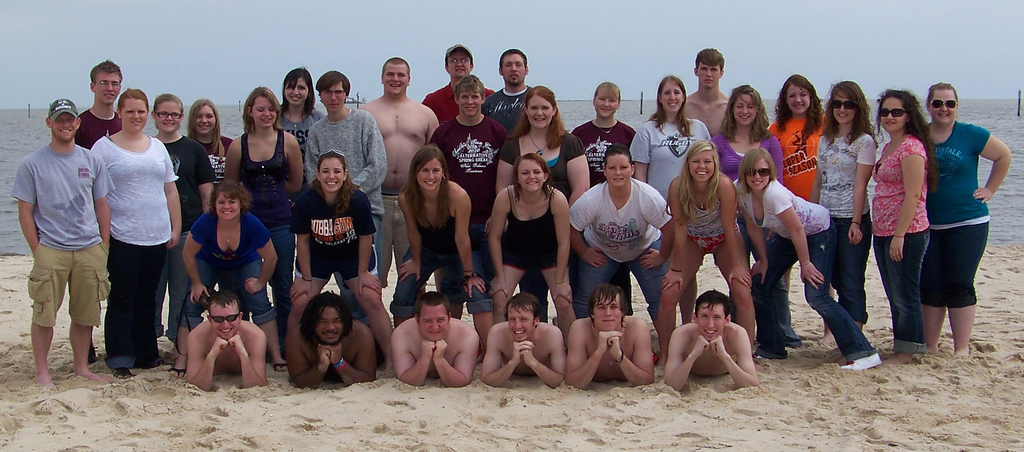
(128, 325)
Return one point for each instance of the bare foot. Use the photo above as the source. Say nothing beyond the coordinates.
(899, 358)
(45, 381)
(91, 376)
(962, 353)
(828, 339)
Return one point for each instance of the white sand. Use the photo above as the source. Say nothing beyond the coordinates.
(805, 402)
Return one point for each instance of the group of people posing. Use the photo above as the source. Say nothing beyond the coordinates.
(486, 192)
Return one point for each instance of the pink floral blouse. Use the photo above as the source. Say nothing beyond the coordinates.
(889, 194)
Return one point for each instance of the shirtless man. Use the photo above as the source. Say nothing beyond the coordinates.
(709, 103)
(406, 125)
(458, 63)
(435, 345)
(329, 346)
(608, 345)
(226, 344)
(524, 346)
(710, 346)
(101, 120)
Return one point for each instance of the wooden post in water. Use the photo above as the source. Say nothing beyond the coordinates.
(641, 103)
(239, 105)
(30, 111)
(1018, 103)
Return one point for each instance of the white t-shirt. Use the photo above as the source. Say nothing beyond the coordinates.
(621, 234)
(663, 151)
(838, 162)
(138, 205)
(778, 198)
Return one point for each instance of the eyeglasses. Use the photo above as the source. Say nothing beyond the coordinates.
(462, 60)
(222, 318)
(763, 172)
(333, 93)
(895, 112)
(107, 84)
(847, 104)
(950, 104)
(165, 114)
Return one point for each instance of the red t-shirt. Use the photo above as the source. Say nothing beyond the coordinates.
(442, 102)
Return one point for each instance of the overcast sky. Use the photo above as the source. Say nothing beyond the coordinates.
(221, 49)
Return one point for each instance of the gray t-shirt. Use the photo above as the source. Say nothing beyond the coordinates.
(505, 108)
(62, 188)
(359, 140)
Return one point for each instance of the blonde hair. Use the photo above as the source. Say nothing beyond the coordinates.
(747, 164)
(686, 189)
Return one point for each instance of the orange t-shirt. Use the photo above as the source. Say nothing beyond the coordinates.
(799, 156)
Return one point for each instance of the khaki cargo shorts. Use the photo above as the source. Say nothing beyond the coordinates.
(83, 272)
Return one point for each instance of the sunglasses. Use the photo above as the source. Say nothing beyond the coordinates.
(847, 104)
(763, 172)
(950, 104)
(895, 112)
(222, 318)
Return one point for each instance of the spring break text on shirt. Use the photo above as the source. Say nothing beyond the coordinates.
(618, 236)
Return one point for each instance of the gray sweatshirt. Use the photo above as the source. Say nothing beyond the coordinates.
(358, 139)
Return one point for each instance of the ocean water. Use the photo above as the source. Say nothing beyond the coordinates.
(21, 135)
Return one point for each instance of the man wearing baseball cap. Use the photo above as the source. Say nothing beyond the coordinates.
(62, 207)
(458, 62)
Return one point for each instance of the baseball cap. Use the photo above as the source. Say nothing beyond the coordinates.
(62, 106)
(456, 47)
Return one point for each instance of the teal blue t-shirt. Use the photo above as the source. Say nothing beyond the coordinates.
(957, 158)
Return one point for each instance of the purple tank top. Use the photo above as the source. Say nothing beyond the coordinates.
(265, 182)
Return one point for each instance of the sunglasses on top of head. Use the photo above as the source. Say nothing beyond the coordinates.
(895, 112)
(950, 104)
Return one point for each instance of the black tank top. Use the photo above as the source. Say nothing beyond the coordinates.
(265, 182)
(534, 237)
(440, 240)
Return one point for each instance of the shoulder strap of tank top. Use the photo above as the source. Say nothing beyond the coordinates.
(245, 146)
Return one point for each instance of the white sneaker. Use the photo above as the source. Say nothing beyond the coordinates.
(864, 363)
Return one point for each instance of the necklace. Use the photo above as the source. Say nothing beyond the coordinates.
(540, 151)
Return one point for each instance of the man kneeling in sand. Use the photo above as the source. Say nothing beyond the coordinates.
(712, 345)
(226, 344)
(328, 345)
(524, 345)
(609, 345)
(435, 345)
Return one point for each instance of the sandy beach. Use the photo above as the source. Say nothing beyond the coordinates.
(805, 402)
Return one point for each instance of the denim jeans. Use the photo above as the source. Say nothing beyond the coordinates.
(848, 268)
(357, 310)
(131, 306)
(405, 292)
(281, 280)
(590, 277)
(781, 290)
(781, 256)
(175, 283)
(952, 259)
(258, 304)
(902, 283)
